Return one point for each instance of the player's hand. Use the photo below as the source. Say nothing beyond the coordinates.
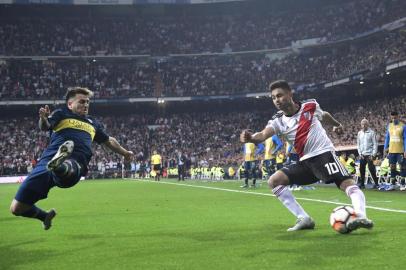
(128, 156)
(338, 129)
(245, 135)
(44, 112)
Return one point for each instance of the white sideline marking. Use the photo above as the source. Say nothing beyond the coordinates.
(271, 195)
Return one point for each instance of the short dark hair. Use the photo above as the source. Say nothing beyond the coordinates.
(280, 84)
(73, 91)
(394, 113)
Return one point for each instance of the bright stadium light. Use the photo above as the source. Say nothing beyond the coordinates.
(361, 82)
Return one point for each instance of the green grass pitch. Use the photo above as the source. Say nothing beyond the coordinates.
(131, 224)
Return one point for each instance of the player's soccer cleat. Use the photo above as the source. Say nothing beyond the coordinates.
(47, 223)
(305, 223)
(64, 151)
(244, 186)
(402, 188)
(357, 223)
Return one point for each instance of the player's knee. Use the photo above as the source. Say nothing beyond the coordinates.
(277, 179)
(346, 183)
(16, 209)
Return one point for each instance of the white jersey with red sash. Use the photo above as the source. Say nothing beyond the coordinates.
(303, 130)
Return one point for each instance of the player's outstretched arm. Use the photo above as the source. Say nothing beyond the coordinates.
(113, 145)
(328, 119)
(43, 123)
(257, 137)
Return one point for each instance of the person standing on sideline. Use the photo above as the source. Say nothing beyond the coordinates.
(300, 123)
(367, 149)
(66, 158)
(272, 146)
(395, 148)
(156, 162)
(249, 150)
(181, 166)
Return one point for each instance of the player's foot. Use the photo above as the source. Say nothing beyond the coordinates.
(304, 223)
(47, 223)
(402, 188)
(357, 223)
(244, 186)
(64, 151)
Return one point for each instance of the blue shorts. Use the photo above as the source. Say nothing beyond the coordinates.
(249, 165)
(395, 158)
(269, 162)
(37, 184)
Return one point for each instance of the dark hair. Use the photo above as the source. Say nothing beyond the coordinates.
(394, 113)
(73, 91)
(279, 84)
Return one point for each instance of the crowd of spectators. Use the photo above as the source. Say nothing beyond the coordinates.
(205, 138)
(122, 35)
(196, 76)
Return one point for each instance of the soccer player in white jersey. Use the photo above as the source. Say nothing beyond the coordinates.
(301, 125)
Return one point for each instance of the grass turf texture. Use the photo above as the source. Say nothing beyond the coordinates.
(128, 224)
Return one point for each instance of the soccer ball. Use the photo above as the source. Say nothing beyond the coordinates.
(340, 217)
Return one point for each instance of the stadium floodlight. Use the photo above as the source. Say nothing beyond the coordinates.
(387, 72)
(361, 82)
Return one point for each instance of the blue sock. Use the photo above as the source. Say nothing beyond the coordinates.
(35, 212)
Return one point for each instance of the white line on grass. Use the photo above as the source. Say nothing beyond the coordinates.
(271, 195)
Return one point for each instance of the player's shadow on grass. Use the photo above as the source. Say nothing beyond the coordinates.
(325, 246)
(18, 254)
(7, 219)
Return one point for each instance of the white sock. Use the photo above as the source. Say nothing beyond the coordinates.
(357, 199)
(286, 197)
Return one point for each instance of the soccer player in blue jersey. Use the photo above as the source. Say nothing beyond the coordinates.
(66, 158)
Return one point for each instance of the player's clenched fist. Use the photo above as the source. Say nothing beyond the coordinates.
(245, 135)
(44, 112)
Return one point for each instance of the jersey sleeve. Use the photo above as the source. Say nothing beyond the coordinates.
(54, 118)
(100, 136)
(273, 123)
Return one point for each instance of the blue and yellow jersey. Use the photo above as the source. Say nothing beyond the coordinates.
(272, 145)
(66, 125)
(249, 152)
(395, 138)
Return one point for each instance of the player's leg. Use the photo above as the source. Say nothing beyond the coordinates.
(278, 183)
(372, 171)
(362, 166)
(66, 171)
(247, 170)
(254, 174)
(34, 188)
(359, 204)
(328, 168)
(393, 159)
(32, 211)
(402, 173)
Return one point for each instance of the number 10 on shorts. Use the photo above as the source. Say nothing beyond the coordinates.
(332, 168)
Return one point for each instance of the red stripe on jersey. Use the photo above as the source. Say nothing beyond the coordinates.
(303, 128)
